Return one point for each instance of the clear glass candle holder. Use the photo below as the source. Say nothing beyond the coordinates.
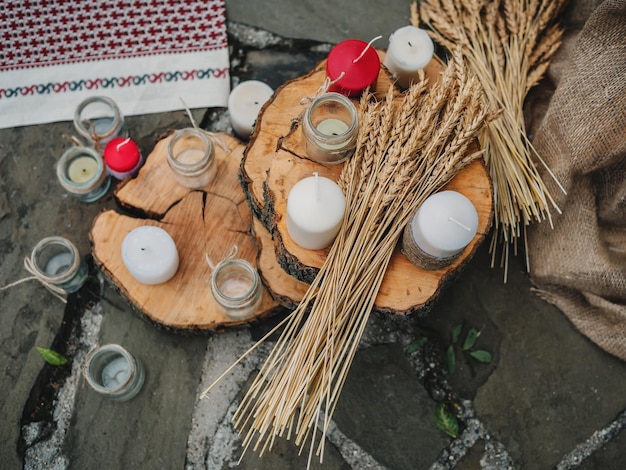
(99, 120)
(191, 156)
(114, 372)
(57, 261)
(82, 173)
(330, 126)
(236, 286)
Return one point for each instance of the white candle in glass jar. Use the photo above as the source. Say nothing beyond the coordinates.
(315, 209)
(410, 49)
(150, 255)
(244, 103)
(444, 224)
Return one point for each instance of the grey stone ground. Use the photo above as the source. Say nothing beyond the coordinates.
(550, 399)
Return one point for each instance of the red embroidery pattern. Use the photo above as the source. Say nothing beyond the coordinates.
(38, 33)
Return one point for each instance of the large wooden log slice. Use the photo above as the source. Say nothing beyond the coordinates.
(275, 160)
(202, 222)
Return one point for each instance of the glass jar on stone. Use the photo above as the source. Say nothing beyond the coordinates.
(56, 260)
(114, 372)
(236, 286)
(99, 120)
(191, 156)
(82, 173)
(330, 126)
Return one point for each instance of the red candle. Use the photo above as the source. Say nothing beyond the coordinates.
(122, 157)
(359, 64)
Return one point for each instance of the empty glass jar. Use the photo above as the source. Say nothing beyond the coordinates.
(191, 156)
(236, 286)
(330, 126)
(56, 260)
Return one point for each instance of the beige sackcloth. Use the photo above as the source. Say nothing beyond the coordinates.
(580, 264)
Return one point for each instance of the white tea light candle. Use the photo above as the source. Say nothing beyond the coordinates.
(150, 255)
(410, 50)
(244, 103)
(445, 224)
(315, 209)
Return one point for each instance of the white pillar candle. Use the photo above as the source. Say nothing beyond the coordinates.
(150, 255)
(410, 49)
(244, 103)
(445, 224)
(315, 208)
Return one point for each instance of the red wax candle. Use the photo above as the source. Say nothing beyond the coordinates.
(122, 157)
(360, 69)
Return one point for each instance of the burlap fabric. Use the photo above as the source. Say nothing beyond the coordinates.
(580, 264)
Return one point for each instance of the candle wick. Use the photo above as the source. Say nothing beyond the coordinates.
(121, 144)
(460, 224)
(317, 186)
(369, 44)
(410, 45)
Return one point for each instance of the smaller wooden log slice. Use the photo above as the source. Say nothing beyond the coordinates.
(207, 222)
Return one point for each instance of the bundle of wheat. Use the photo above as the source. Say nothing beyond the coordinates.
(508, 45)
(407, 149)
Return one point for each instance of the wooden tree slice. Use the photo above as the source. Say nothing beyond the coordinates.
(406, 288)
(208, 222)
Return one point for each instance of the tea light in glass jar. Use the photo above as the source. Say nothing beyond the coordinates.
(82, 173)
(236, 287)
(150, 255)
(114, 372)
(244, 103)
(191, 156)
(99, 120)
(330, 126)
(441, 228)
(56, 261)
(410, 50)
(315, 209)
(352, 66)
(122, 157)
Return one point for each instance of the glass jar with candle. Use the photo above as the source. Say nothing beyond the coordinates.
(82, 173)
(330, 126)
(236, 287)
(191, 156)
(99, 120)
(56, 261)
(114, 372)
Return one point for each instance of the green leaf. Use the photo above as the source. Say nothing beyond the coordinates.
(481, 356)
(456, 332)
(451, 359)
(470, 339)
(415, 345)
(446, 421)
(51, 357)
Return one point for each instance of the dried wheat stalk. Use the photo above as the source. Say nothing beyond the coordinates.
(508, 45)
(406, 151)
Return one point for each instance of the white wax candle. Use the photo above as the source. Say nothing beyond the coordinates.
(444, 224)
(244, 103)
(116, 373)
(150, 255)
(410, 49)
(82, 169)
(59, 263)
(315, 208)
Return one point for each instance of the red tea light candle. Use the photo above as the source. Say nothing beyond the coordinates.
(122, 157)
(352, 66)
